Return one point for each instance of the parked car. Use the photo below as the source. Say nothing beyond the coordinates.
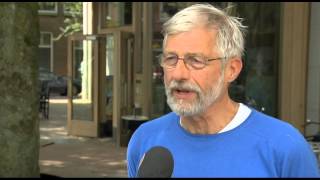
(57, 84)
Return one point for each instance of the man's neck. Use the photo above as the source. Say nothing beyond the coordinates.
(213, 120)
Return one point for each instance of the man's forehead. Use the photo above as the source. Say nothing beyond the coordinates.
(195, 41)
(211, 30)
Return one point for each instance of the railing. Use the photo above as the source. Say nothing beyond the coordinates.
(44, 95)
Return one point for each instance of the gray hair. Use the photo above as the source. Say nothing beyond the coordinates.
(230, 31)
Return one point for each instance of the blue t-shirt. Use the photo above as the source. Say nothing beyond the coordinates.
(262, 146)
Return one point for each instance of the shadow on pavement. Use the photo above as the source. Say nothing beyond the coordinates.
(62, 155)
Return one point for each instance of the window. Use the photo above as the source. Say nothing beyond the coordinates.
(48, 8)
(45, 39)
(257, 84)
(110, 55)
(45, 48)
(116, 14)
(78, 57)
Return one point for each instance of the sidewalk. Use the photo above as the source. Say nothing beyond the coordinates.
(69, 156)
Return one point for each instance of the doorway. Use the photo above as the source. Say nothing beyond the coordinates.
(118, 81)
(82, 69)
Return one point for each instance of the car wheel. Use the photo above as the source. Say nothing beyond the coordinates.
(65, 92)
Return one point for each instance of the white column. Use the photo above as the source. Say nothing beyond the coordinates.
(87, 18)
(87, 52)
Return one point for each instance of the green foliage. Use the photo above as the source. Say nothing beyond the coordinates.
(73, 20)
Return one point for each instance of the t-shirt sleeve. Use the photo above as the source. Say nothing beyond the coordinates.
(298, 158)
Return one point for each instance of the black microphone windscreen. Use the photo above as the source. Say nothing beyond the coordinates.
(157, 162)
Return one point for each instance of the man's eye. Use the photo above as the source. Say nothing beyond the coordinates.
(195, 59)
(170, 58)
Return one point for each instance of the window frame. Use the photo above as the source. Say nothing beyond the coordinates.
(102, 27)
(41, 45)
(49, 12)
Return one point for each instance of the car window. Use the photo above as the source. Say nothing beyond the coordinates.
(46, 75)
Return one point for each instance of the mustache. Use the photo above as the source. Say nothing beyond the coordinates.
(183, 86)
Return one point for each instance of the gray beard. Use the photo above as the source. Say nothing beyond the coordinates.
(197, 106)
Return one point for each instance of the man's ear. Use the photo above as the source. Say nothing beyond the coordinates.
(233, 69)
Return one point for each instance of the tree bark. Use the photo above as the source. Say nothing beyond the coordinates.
(19, 121)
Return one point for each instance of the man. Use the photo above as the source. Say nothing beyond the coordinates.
(209, 134)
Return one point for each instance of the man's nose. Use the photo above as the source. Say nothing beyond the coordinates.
(181, 71)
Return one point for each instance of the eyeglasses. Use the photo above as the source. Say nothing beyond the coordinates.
(192, 61)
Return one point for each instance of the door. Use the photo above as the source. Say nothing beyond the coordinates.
(123, 94)
(82, 86)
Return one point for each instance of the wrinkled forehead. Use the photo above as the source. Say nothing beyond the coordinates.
(197, 40)
(193, 34)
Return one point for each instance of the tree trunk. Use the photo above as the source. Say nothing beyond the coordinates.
(19, 121)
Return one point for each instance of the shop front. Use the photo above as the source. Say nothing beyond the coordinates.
(116, 61)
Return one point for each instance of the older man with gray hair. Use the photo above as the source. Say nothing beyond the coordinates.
(208, 134)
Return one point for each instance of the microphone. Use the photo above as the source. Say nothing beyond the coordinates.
(157, 162)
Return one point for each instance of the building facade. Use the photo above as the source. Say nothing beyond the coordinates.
(116, 58)
(53, 50)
